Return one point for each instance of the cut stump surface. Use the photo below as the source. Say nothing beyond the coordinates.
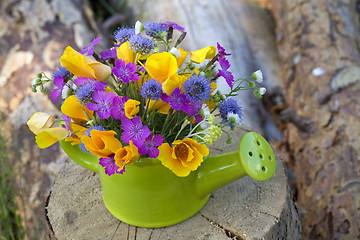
(245, 209)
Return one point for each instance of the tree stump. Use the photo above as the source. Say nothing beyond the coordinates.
(245, 209)
(318, 43)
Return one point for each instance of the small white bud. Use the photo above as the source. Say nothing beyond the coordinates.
(262, 90)
(65, 92)
(34, 82)
(175, 52)
(258, 76)
(138, 27)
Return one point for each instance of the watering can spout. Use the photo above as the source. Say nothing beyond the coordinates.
(254, 157)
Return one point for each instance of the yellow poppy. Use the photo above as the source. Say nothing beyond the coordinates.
(200, 55)
(48, 137)
(183, 157)
(40, 121)
(72, 107)
(125, 53)
(131, 108)
(180, 60)
(161, 66)
(83, 66)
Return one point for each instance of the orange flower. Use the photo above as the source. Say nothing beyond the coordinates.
(126, 155)
(131, 108)
(101, 143)
(83, 66)
(73, 108)
(183, 157)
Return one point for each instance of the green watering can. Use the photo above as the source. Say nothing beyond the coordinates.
(150, 195)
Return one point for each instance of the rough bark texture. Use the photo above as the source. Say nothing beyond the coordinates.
(318, 43)
(245, 209)
(33, 35)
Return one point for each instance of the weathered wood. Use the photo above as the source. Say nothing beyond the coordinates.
(33, 35)
(319, 50)
(245, 209)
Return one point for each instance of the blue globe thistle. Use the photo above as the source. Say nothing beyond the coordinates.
(229, 105)
(62, 72)
(154, 27)
(140, 44)
(123, 34)
(84, 93)
(197, 88)
(151, 90)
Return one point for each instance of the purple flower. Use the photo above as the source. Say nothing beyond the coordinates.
(87, 87)
(134, 131)
(197, 88)
(126, 72)
(103, 103)
(150, 145)
(140, 44)
(229, 105)
(221, 51)
(177, 100)
(59, 83)
(151, 89)
(108, 54)
(228, 77)
(67, 121)
(90, 49)
(155, 28)
(123, 34)
(118, 111)
(224, 63)
(110, 165)
(174, 26)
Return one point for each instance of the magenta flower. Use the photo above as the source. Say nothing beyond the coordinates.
(126, 72)
(177, 100)
(174, 26)
(103, 104)
(59, 83)
(228, 77)
(110, 165)
(150, 145)
(90, 49)
(108, 54)
(134, 131)
(118, 110)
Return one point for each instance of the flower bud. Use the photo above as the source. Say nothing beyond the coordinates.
(229, 140)
(251, 84)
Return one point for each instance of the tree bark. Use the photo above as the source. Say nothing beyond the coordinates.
(33, 36)
(318, 42)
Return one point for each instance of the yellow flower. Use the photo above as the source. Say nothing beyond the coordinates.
(83, 66)
(101, 143)
(73, 108)
(77, 132)
(161, 66)
(126, 155)
(162, 106)
(48, 137)
(183, 157)
(40, 121)
(180, 60)
(125, 53)
(172, 82)
(200, 55)
(131, 108)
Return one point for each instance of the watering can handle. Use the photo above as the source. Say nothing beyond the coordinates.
(86, 160)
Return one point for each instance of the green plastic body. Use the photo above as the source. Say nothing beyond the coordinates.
(150, 195)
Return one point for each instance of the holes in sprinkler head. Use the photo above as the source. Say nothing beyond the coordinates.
(263, 169)
(258, 142)
(261, 156)
(270, 158)
(250, 153)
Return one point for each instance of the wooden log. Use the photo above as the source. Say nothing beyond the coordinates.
(245, 209)
(33, 35)
(318, 43)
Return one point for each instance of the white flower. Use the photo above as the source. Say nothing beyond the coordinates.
(138, 27)
(262, 90)
(257, 76)
(234, 119)
(175, 52)
(65, 92)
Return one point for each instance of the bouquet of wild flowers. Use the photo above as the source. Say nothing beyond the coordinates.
(141, 99)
